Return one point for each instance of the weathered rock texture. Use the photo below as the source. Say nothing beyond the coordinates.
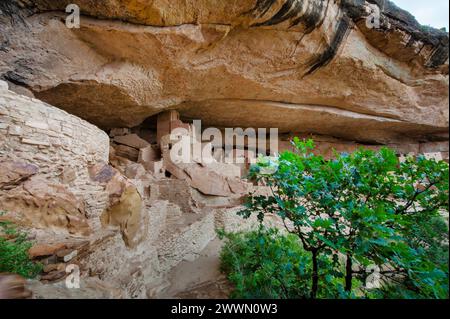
(119, 207)
(44, 158)
(126, 225)
(125, 202)
(307, 66)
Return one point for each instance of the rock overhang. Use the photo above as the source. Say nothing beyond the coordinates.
(295, 61)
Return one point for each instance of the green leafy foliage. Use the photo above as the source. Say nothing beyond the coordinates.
(14, 247)
(367, 207)
(264, 264)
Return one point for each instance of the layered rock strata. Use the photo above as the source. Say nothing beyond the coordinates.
(348, 73)
(308, 66)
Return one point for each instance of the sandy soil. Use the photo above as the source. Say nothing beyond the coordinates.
(198, 277)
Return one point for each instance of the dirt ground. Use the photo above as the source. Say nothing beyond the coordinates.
(199, 277)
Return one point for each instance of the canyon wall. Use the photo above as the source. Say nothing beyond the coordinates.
(82, 204)
(307, 66)
(86, 114)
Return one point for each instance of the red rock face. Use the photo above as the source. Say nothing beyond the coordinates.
(38, 203)
(13, 287)
(309, 68)
(13, 174)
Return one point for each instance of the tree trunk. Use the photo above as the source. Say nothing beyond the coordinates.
(315, 275)
(348, 273)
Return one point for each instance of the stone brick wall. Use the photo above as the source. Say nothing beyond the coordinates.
(38, 132)
(60, 144)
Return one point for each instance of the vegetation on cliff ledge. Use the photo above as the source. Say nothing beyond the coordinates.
(364, 225)
(14, 246)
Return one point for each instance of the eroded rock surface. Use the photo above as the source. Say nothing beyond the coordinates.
(306, 65)
(123, 224)
(118, 207)
(44, 158)
(125, 203)
(39, 203)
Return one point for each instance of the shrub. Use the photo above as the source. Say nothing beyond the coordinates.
(367, 207)
(14, 247)
(265, 264)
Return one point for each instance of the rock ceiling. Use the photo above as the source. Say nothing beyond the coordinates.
(302, 66)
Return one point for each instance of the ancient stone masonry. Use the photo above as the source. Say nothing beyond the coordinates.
(327, 146)
(89, 117)
(55, 179)
(55, 171)
(59, 147)
(48, 136)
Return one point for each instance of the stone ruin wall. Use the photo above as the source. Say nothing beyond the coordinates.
(54, 166)
(39, 133)
(177, 220)
(61, 145)
(227, 69)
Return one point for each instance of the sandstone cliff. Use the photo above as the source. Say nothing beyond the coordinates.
(308, 66)
(86, 114)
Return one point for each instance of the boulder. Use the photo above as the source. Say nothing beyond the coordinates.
(125, 212)
(54, 275)
(38, 203)
(131, 140)
(237, 186)
(44, 250)
(53, 267)
(125, 202)
(207, 182)
(13, 174)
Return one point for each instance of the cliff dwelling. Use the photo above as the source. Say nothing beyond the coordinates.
(89, 117)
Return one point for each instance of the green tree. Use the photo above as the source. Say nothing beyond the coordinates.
(365, 206)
